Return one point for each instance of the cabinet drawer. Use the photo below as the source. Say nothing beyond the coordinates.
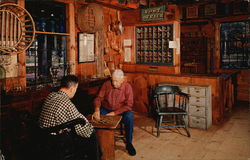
(197, 101)
(197, 111)
(197, 122)
(197, 91)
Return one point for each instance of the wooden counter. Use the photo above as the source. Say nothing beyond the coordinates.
(222, 89)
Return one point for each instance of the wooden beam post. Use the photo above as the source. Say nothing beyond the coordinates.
(71, 40)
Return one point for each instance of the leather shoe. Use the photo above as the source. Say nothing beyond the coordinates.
(131, 149)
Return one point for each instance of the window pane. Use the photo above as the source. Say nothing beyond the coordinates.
(46, 59)
(234, 44)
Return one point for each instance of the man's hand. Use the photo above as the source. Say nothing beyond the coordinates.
(96, 115)
(111, 114)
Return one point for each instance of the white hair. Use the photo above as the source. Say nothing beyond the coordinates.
(118, 73)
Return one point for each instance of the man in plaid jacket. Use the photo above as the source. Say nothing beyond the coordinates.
(58, 109)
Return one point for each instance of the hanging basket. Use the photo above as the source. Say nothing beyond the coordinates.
(90, 18)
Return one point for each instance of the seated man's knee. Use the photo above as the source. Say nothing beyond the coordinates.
(128, 115)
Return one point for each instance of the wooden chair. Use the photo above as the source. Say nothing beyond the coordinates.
(171, 108)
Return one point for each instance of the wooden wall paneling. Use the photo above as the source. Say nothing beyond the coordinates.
(139, 83)
(129, 34)
(228, 94)
(140, 90)
(148, 68)
(86, 70)
(128, 68)
(130, 17)
(15, 84)
(155, 79)
(243, 88)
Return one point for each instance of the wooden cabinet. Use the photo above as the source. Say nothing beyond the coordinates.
(30, 101)
(199, 106)
(152, 44)
(193, 54)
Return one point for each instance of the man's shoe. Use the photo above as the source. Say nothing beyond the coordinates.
(131, 149)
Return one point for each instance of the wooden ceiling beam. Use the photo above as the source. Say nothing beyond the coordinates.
(115, 5)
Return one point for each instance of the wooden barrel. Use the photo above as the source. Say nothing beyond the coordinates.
(90, 18)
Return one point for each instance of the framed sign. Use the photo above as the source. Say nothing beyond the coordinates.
(153, 14)
(86, 47)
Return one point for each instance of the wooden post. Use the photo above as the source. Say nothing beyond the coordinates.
(21, 60)
(217, 47)
(71, 40)
(177, 50)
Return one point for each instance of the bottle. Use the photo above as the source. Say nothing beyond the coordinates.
(51, 27)
(61, 27)
(42, 22)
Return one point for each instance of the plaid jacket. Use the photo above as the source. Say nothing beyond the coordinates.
(58, 109)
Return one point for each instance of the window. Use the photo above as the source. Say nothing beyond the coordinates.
(235, 45)
(46, 58)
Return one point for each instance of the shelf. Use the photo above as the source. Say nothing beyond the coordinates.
(194, 53)
(152, 44)
(53, 33)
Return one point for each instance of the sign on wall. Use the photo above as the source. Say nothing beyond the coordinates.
(86, 47)
(10, 65)
(153, 14)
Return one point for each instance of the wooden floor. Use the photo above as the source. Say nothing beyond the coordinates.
(228, 141)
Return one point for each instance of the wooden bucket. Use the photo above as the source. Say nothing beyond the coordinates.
(90, 18)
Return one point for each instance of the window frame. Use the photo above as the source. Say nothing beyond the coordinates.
(223, 44)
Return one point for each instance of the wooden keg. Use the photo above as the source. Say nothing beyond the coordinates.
(90, 18)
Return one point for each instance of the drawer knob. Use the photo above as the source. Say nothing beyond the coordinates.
(197, 110)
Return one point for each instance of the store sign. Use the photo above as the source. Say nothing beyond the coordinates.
(153, 14)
